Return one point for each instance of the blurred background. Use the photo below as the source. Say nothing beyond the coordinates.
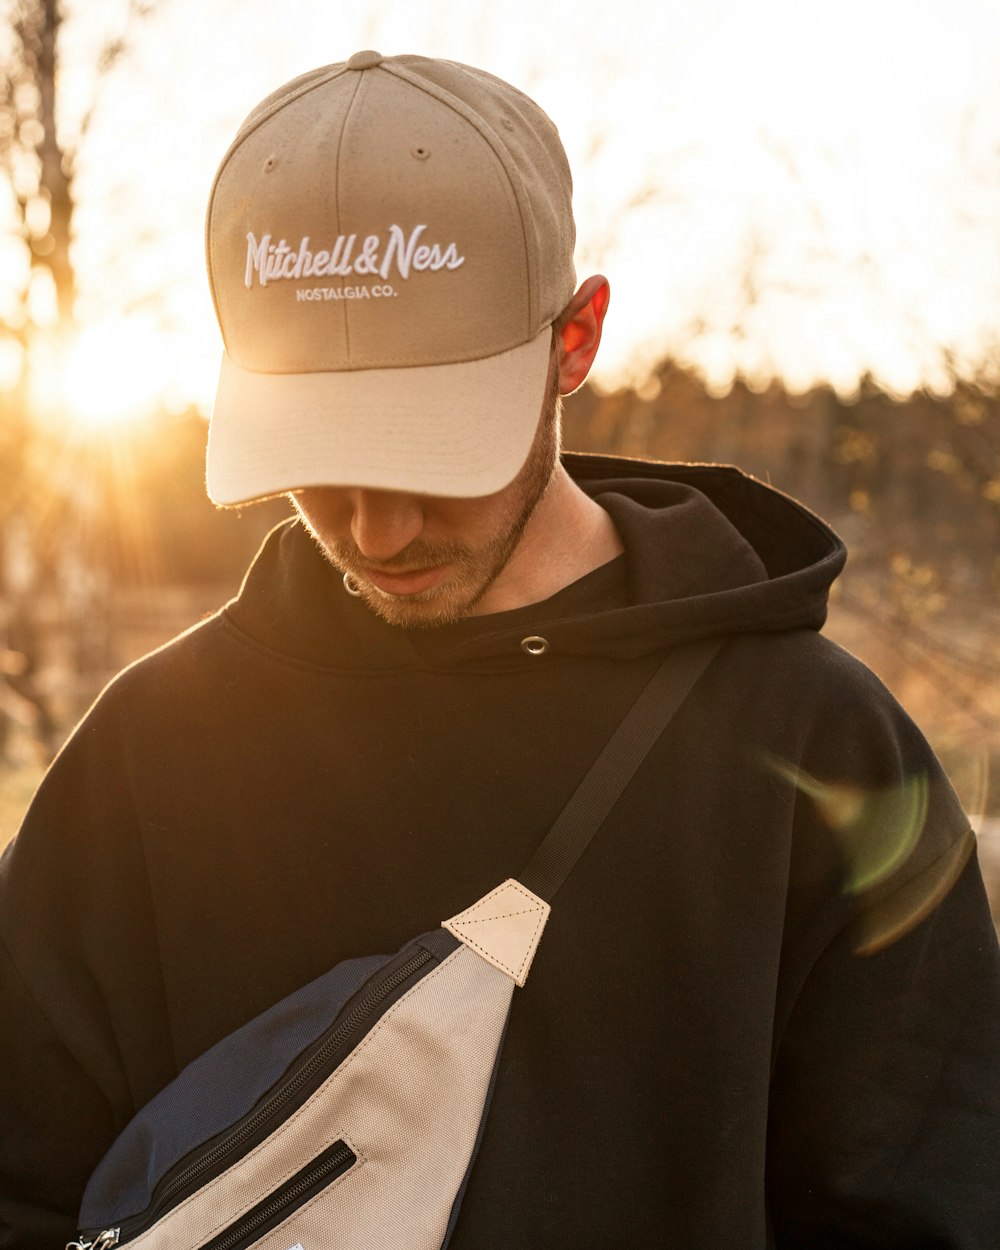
(798, 206)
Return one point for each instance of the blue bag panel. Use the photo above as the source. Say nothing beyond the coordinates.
(220, 1087)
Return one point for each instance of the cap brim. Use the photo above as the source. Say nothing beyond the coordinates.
(459, 430)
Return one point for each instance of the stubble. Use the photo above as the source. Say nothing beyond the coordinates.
(472, 570)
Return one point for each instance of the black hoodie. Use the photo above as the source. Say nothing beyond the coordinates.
(765, 1010)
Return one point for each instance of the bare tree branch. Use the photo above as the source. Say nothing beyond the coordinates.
(116, 47)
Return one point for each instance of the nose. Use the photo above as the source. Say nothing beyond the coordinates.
(384, 522)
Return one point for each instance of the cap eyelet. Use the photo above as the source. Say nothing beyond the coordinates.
(506, 122)
(421, 151)
(351, 586)
(269, 164)
(534, 645)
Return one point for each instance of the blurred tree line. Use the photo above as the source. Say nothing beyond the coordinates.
(912, 485)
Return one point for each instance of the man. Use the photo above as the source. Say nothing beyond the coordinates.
(765, 1010)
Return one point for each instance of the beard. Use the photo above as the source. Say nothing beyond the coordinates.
(472, 569)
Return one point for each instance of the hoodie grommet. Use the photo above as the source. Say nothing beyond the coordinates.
(534, 645)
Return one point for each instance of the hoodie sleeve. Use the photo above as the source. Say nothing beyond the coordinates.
(884, 1125)
(53, 1116)
(78, 987)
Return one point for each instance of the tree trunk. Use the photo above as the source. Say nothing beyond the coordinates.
(55, 177)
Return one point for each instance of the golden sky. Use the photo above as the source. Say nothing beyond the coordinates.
(792, 189)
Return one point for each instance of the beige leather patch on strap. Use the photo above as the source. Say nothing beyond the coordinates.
(504, 927)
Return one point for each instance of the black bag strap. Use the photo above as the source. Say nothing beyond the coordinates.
(575, 826)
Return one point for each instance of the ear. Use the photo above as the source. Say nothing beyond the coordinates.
(579, 332)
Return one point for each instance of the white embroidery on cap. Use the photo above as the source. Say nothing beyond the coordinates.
(305, 293)
(343, 258)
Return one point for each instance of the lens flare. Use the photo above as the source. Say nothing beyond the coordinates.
(877, 828)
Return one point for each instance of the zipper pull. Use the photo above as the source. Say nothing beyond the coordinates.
(103, 1241)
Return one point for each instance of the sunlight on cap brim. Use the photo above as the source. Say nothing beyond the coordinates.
(458, 430)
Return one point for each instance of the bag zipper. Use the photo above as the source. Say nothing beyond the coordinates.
(188, 1180)
(317, 1175)
(103, 1241)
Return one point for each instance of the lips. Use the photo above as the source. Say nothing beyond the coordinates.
(411, 582)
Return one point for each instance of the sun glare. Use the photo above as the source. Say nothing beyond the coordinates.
(107, 375)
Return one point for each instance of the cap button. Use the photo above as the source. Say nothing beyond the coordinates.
(365, 60)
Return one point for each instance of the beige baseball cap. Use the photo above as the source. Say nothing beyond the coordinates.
(389, 241)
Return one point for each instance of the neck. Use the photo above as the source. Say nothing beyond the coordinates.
(568, 536)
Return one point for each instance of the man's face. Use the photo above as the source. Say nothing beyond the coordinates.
(419, 561)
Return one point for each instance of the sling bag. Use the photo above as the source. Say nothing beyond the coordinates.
(349, 1114)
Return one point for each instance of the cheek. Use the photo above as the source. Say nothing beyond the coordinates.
(475, 526)
(325, 511)
(477, 520)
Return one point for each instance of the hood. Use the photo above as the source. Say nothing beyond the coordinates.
(709, 551)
